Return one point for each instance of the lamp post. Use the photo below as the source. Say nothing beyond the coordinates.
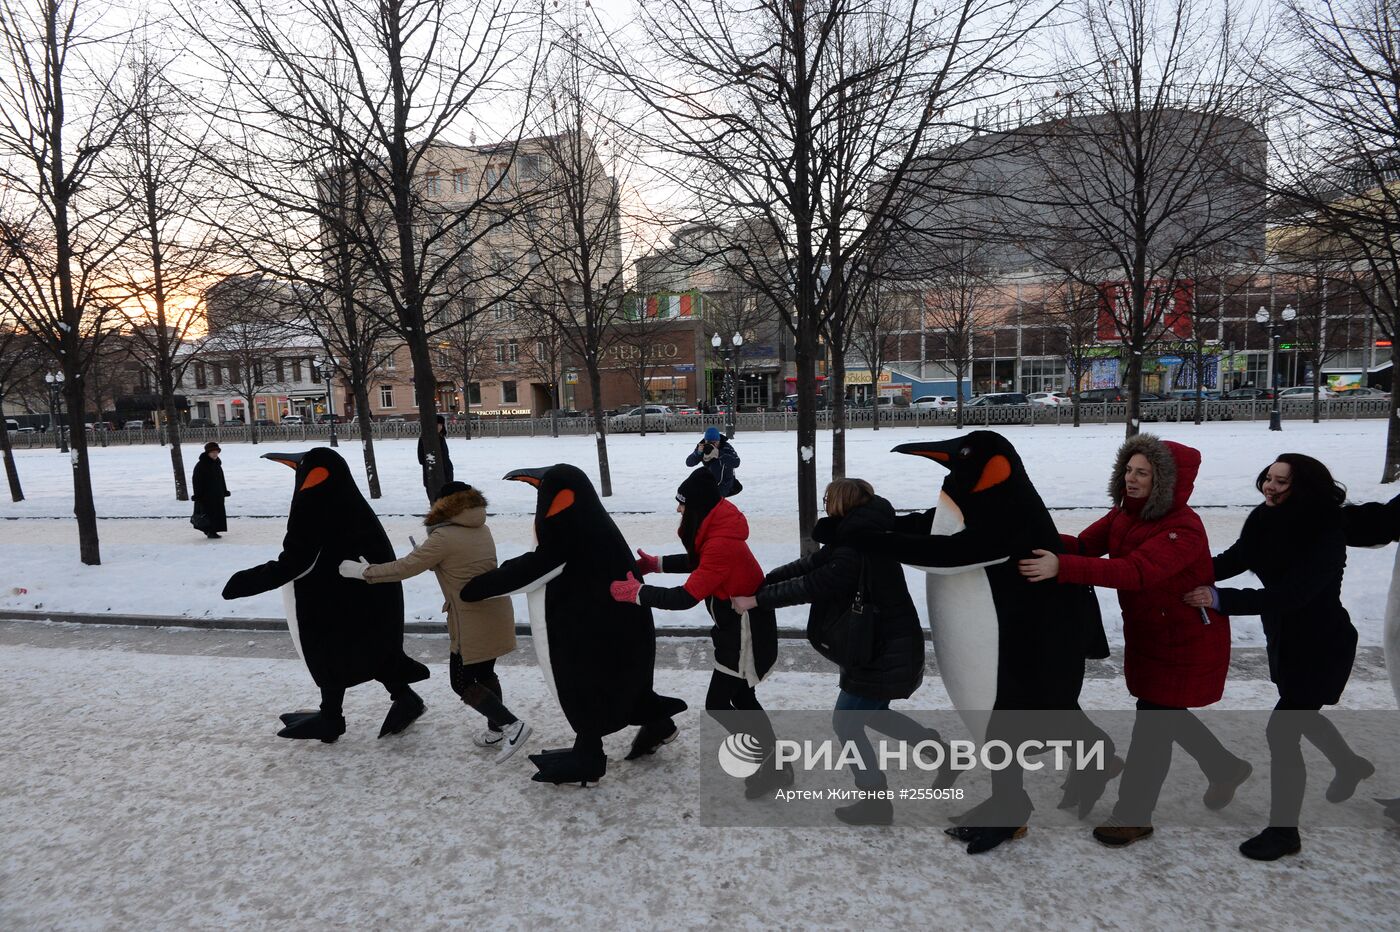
(727, 355)
(1275, 326)
(55, 383)
(327, 369)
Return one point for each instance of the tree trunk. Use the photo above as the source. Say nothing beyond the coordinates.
(600, 429)
(83, 507)
(172, 422)
(361, 390)
(11, 470)
(1134, 377)
(425, 393)
(836, 391)
(958, 389)
(1392, 437)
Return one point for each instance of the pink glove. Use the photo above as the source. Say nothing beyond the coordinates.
(646, 563)
(626, 590)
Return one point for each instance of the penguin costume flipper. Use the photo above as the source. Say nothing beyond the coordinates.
(521, 574)
(1372, 524)
(942, 553)
(292, 563)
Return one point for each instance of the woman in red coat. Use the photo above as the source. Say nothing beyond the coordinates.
(1174, 657)
(721, 567)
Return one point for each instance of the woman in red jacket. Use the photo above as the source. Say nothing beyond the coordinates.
(1174, 657)
(721, 566)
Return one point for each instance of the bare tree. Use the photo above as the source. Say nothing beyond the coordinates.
(957, 301)
(245, 356)
(1151, 157)
(464, 346)
(58, 120)
(634, 348)
(384, 84)
(1069, 308)
(797, 123)
(1338, 161)
(1323, 289)
(882, 314)
(542, 356)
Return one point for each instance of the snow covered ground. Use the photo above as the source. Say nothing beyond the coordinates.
(155, 564)
(146, 790)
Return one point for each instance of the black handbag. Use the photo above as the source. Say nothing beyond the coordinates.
(200, 520)
(847, 639)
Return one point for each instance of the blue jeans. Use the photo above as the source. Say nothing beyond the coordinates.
(854, 714)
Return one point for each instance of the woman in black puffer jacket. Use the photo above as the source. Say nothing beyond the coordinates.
(894, 667)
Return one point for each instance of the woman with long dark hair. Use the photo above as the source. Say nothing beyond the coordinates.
(1295, 543)
(721, 567)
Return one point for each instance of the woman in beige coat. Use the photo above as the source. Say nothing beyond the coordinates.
(459, 547)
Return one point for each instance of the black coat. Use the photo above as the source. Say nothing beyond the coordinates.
(828, 580)
(1299, 555)
(209, 492)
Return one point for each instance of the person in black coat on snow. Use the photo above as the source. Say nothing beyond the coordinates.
(1296, 544)
(446, 455)
(209, 493)
(888, 662)
(716, 454)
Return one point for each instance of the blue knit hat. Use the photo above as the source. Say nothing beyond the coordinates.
(712, 434)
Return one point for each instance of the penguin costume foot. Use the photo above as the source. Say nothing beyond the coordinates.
(569, 766)
(982, 840)
(1084, 788)
(1391, 807)
(291, 718)
(317, 725)
(651, 737)
(402, 713)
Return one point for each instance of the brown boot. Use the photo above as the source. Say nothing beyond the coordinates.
(1219, 794)
(1115, 834)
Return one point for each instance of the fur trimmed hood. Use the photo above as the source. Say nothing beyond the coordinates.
(1174, 469)
(465, 508)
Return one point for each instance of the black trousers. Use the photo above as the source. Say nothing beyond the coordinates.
(1150, 758)
(333, 697)
(1290, 723)
(480, 688)
(730, 694)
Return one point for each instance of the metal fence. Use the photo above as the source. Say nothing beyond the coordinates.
(747, 421)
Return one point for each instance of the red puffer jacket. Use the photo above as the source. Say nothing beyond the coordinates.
(726, 565)
(1157, 551)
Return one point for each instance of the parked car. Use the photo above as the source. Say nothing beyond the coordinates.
(1050, 399)
(1361, 391)
(26, 430)
(1304, 393)
(394, 420)
(11, 424)
(200, 422)
(1189, 394)
(999, 398)
(263, 422)
(686, 410)
(134, 425)
(933, 402)
(96, 426)
(1249, 394)
(658, 417)
(291, 420)
(1098, 396)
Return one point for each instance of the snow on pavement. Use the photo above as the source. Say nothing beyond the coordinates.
(146, 790)
(155, 564)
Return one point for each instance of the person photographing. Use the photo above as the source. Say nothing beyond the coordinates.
(716, 453)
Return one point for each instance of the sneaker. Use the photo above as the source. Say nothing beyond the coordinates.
(1219, 794)
(513, 739)
(1272, 844)
(1115, 834)
(490, 738)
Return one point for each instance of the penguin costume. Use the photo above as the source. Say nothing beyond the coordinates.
(1002, 643)
(1376, 524)
(345, 632)
(597, 654)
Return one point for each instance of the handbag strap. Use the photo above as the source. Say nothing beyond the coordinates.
(858, 603)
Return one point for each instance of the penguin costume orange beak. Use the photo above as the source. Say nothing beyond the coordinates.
(293, 461)
(562, 499)
(957, 451)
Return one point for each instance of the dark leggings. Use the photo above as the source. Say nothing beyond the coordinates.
(1290, 723)
(480, 688)
(730, 694)
(333, 697)
(1150, 758)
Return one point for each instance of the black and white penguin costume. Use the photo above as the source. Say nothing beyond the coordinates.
(345, 632)
(597, 654)
(1002, 642)
(1376, 524)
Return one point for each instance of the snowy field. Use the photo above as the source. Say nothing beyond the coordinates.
(155, 564)
(146, 790)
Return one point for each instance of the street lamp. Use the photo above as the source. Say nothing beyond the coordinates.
(1275, 328)
(727, 354)
(327, 366)
(55, 383)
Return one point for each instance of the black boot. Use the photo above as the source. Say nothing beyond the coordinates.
(1084, 788)
(1272, 844)
(572, 766)
(651, 737)
(1343, 785)
(769, 780)
(318, 725)
(982, 840)
(408, 705)
(867, 812)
